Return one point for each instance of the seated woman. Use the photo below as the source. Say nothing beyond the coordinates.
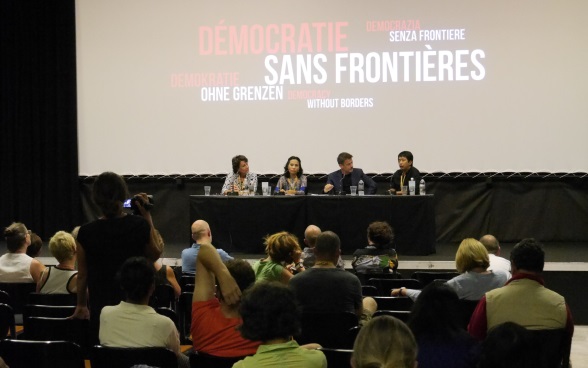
(63, 278)
(379, 256)
(16, 265)
(241, 180)
(34, 250)
(270, 315)
(282, 250)
(384, 341)
(472, 261)
(292, 182)
(436, 324)
(165, 275)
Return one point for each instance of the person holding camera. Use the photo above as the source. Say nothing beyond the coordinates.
(105, 244)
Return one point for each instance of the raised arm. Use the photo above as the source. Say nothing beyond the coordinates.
(82, 311)
(155, 245)
(209, 266)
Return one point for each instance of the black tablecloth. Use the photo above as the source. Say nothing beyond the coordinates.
(239, 224)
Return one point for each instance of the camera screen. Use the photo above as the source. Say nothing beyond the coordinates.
(127, 203)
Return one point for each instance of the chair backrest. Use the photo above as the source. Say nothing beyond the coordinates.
(52, 299)
(41, 354)
(394, 302)
(554, 347)
(7, 325)
(466, 309)
(188, 288)
(163, 297)
(185, 317)
(53, 311)
(187, 278)
(5, 298)
(19, 293)
(384, 286)
(111, 357)
(330, 329)
(202, 360)
(401, 315)
(369, 290)
(339, 358)
(426, 277)
(171, 314)
(59, 329)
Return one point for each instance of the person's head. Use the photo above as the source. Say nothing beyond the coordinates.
(62, 246)
(491, 243)
(345, 161)
(405, 160)
(508, 345)
(269, 311)
(34, 249)
(527, 256)
(282, 247)
(327, 247)
(242, 272)
(471, 254)
(17, 237)
(201, 231)
(380, 233)
(109, 192)
(240, 165)
(293, 167)
(384, 342)
(310, 234)
(137, 279)
(436, 312)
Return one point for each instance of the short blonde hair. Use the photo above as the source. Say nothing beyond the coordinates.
(280, 246)
(471, 254)
(62, 246)
(384, 342)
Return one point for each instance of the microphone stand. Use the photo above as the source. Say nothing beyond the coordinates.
(341, 191)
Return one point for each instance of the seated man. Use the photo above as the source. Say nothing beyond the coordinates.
(403, 175)
(200, 234)
(215, 321)
(325, 288)
(340, 181)
(523, 300)
(379, 256)
(63, 278)
(493, 247)
(133, 323)
(307, 257)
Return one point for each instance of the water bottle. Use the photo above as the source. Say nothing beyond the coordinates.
(360, 187)
(411, 186)
(277, 190)
(422, 187)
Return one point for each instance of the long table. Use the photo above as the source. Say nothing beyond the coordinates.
(239, 224)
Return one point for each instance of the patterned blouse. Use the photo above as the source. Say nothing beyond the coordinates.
(290, 184)
(250, 182)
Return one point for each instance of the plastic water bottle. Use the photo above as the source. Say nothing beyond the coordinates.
(411, 186)
(422, 187)
(277, 190)
(360, 187)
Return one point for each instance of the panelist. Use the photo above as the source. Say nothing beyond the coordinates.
(340, 181)
(402, 176)
(241, 179)
(292, 182)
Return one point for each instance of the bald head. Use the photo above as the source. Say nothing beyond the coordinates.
(201, 231)
(491, 244)
(310, 234)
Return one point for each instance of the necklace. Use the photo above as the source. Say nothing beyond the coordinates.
(240, 182)
(292, 183)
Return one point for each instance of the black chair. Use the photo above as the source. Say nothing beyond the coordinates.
(41, 354)
(466, 309)
(394, 302)
(52, 299)
(330, 329)
(19, 292)
(187, 278)
(5, 298)
(185, 317)
(427, 277)
(369, 290)
(339, 358)
(52, 311)
(401, 315)
(59, 329)
(553, 346)
(384, 286)
(110, 357)
(202, 360)
(171, 314)
(7, 325)
(188, 288)
(163, 297)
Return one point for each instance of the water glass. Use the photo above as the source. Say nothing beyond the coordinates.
(353, 189)
(207, 190)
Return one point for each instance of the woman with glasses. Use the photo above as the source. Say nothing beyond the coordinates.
(16, 265)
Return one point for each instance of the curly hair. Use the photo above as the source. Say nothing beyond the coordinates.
(269, 311)
(380, 233)
(471, 254)
(280, 246)
(236, 162)
(300, 171)
(15, 235)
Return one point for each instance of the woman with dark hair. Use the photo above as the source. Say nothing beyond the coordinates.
(105, 244)
(509, 345)
(241, 180)
(379, 256)
(270, 315)
(292, 182)
(437, 326)
(16, 265)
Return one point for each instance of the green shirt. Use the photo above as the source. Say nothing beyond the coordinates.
(285, 355)
(267, 271)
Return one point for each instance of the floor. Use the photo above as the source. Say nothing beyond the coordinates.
(579, 356)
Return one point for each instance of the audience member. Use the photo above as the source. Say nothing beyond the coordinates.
(270, 315)
(241, 180)
(165, 275)
(133, 323)
(200, 234)
(215, 310)
(16, 265)
(325, 288)
(105, 244)
(509, 345)
(340, 181)
(493, 247)
(384, 342)
(436, 324)
(524, 299)
(34, 250)
(292, 182)
(307, 257)
(63, 278)
(471, 261)
(282, 250)
(379, 256)
(403, 175)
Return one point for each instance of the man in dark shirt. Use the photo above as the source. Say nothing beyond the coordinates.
(403, 175)
(340, 181)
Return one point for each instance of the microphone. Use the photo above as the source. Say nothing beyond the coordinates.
(341, 191)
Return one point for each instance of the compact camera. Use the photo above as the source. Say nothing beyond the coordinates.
(132, 204)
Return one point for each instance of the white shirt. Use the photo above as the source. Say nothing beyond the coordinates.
(15, 267)
(499, 264)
